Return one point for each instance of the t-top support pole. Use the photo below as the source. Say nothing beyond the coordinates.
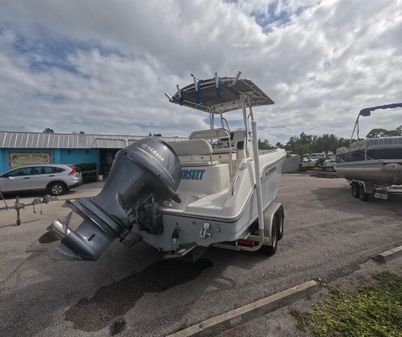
(257, 178)
(243, 105)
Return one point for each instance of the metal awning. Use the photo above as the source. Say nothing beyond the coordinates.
(39, 140)
(218, 95)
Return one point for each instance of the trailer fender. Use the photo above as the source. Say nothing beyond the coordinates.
(274, 209)
(362, 189)
(363, 186)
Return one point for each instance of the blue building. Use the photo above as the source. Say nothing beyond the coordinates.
(95, 150)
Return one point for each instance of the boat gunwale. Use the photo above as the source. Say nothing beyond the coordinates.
(234, 218)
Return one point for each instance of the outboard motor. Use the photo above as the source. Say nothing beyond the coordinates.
(143, 175)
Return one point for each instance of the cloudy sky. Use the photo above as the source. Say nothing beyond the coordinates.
(103, 66)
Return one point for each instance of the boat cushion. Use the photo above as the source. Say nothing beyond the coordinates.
(192, 147)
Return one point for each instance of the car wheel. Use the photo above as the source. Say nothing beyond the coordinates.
(271, 249)
(56, 188)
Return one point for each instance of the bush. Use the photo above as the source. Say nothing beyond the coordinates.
(89, 177)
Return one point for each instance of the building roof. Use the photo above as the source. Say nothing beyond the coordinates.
(38, 140)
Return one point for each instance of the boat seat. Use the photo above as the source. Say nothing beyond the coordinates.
(193, 152)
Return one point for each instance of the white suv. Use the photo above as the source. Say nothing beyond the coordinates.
(55, 179)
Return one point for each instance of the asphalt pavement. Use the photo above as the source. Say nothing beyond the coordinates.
(131, 292)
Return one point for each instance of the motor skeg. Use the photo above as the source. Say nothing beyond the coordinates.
(143, 175)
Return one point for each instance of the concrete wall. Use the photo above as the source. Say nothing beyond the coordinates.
(58, 156)
(291, 165)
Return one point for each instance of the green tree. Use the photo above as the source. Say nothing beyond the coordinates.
(304, 143)
(377, 133)
(342, 142)
(280, 145)
(264, 145)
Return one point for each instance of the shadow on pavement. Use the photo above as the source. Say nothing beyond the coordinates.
(49, 237)
(116, 299)
(57, 284)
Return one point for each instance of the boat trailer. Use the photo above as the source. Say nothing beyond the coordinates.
(18, 206)
(364, 189)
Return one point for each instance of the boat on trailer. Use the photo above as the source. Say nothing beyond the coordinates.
(372, 165)
(214, 189)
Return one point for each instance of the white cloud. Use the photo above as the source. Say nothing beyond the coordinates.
(320, 62)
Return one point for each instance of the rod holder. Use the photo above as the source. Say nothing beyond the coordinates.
(236, 78)
(169, 97)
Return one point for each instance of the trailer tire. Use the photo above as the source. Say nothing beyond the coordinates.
(271, 249)
(363, 196)
(281, 225)
(355, 190)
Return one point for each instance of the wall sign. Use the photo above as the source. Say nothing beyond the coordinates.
(16, 159)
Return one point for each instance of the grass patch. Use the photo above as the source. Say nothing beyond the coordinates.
(374, 309)
(302, 318)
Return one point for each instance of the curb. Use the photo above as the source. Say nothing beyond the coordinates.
(217, 324)
(388, 255)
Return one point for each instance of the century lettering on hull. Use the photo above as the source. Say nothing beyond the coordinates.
(192, 174)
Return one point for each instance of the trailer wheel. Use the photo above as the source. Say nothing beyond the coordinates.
(363, 196)
(271, 249)
(281, 223)
(355, 190)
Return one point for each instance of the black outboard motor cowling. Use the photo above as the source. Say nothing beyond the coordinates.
(143, 175)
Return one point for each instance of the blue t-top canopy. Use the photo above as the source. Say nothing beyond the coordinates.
(220, 94)
(367, 111)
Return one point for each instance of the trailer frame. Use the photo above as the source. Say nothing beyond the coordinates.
(365, 189)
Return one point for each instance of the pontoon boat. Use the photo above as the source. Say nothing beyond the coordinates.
(373, 165)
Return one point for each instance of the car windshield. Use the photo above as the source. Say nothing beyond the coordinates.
(23, 171)
(315, 155)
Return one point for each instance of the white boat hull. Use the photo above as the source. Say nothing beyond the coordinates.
(228, 213)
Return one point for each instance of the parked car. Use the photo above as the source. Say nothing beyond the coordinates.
(329, 164)
(315, 157)
(55, 179)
